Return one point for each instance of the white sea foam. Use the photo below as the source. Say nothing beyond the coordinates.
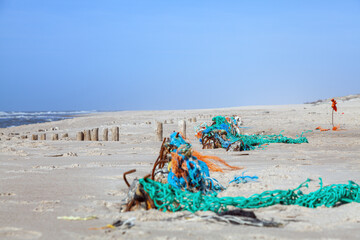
(8, 119)
(13, 113)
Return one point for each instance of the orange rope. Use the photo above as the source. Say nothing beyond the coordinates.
(198, 135)
(322, 129)
(337, 128)
(175, 164)
(109, 226)
(212, 166)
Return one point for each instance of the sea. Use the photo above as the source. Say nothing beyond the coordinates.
(11, 119)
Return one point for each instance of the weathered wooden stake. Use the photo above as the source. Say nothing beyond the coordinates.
(55, 137)
(34, 137)
(182, 127)
(115, 133)
(194, 119)
(159, 131)
(80, 136)
(65, 135)
(87, 136)
(106, 134)
(43, 136)
(95, 134)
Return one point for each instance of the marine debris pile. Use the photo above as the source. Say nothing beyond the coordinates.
(180, 178)
(224, 132)
(181, 167)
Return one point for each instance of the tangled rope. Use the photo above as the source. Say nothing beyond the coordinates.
(168, 198)
(189, 170)
(244, 178)
(225, 133)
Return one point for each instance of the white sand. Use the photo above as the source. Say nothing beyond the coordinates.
(41, 180)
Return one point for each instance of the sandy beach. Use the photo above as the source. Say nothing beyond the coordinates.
(43, 180)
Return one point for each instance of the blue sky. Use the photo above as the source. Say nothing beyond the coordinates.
(137, 55)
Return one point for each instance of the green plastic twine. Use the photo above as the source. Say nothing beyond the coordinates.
(167, 198)
(250, 142)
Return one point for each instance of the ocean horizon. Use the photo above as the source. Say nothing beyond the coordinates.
(18, 118)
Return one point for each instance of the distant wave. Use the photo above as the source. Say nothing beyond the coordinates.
(13, 118)
(14, 113)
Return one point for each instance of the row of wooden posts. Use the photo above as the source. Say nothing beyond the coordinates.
(42, 136)
(86, 135)
(93, 134)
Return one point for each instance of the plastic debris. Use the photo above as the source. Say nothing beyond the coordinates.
(322, 129)
(244, 179)
(73, 218)
(181, 167)
(235, 217)
(189, 169)
(168, 198)
(118, 224)
(225, 133)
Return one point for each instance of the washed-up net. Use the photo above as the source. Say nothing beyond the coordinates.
(226, 132)
(168, 198)
(189, 170)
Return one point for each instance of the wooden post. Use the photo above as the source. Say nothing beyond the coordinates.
(65, 135)
(55, 137)
(95, 134)
(43, 136)
(34, 137)
(80, 136)
(87, 135)
(159, 131)
(182, 127)
(106, 134)
(115, 133)
(194, 119)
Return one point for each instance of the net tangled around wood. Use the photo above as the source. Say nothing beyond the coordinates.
(184, 168)
(224, 132)
(189, 169)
